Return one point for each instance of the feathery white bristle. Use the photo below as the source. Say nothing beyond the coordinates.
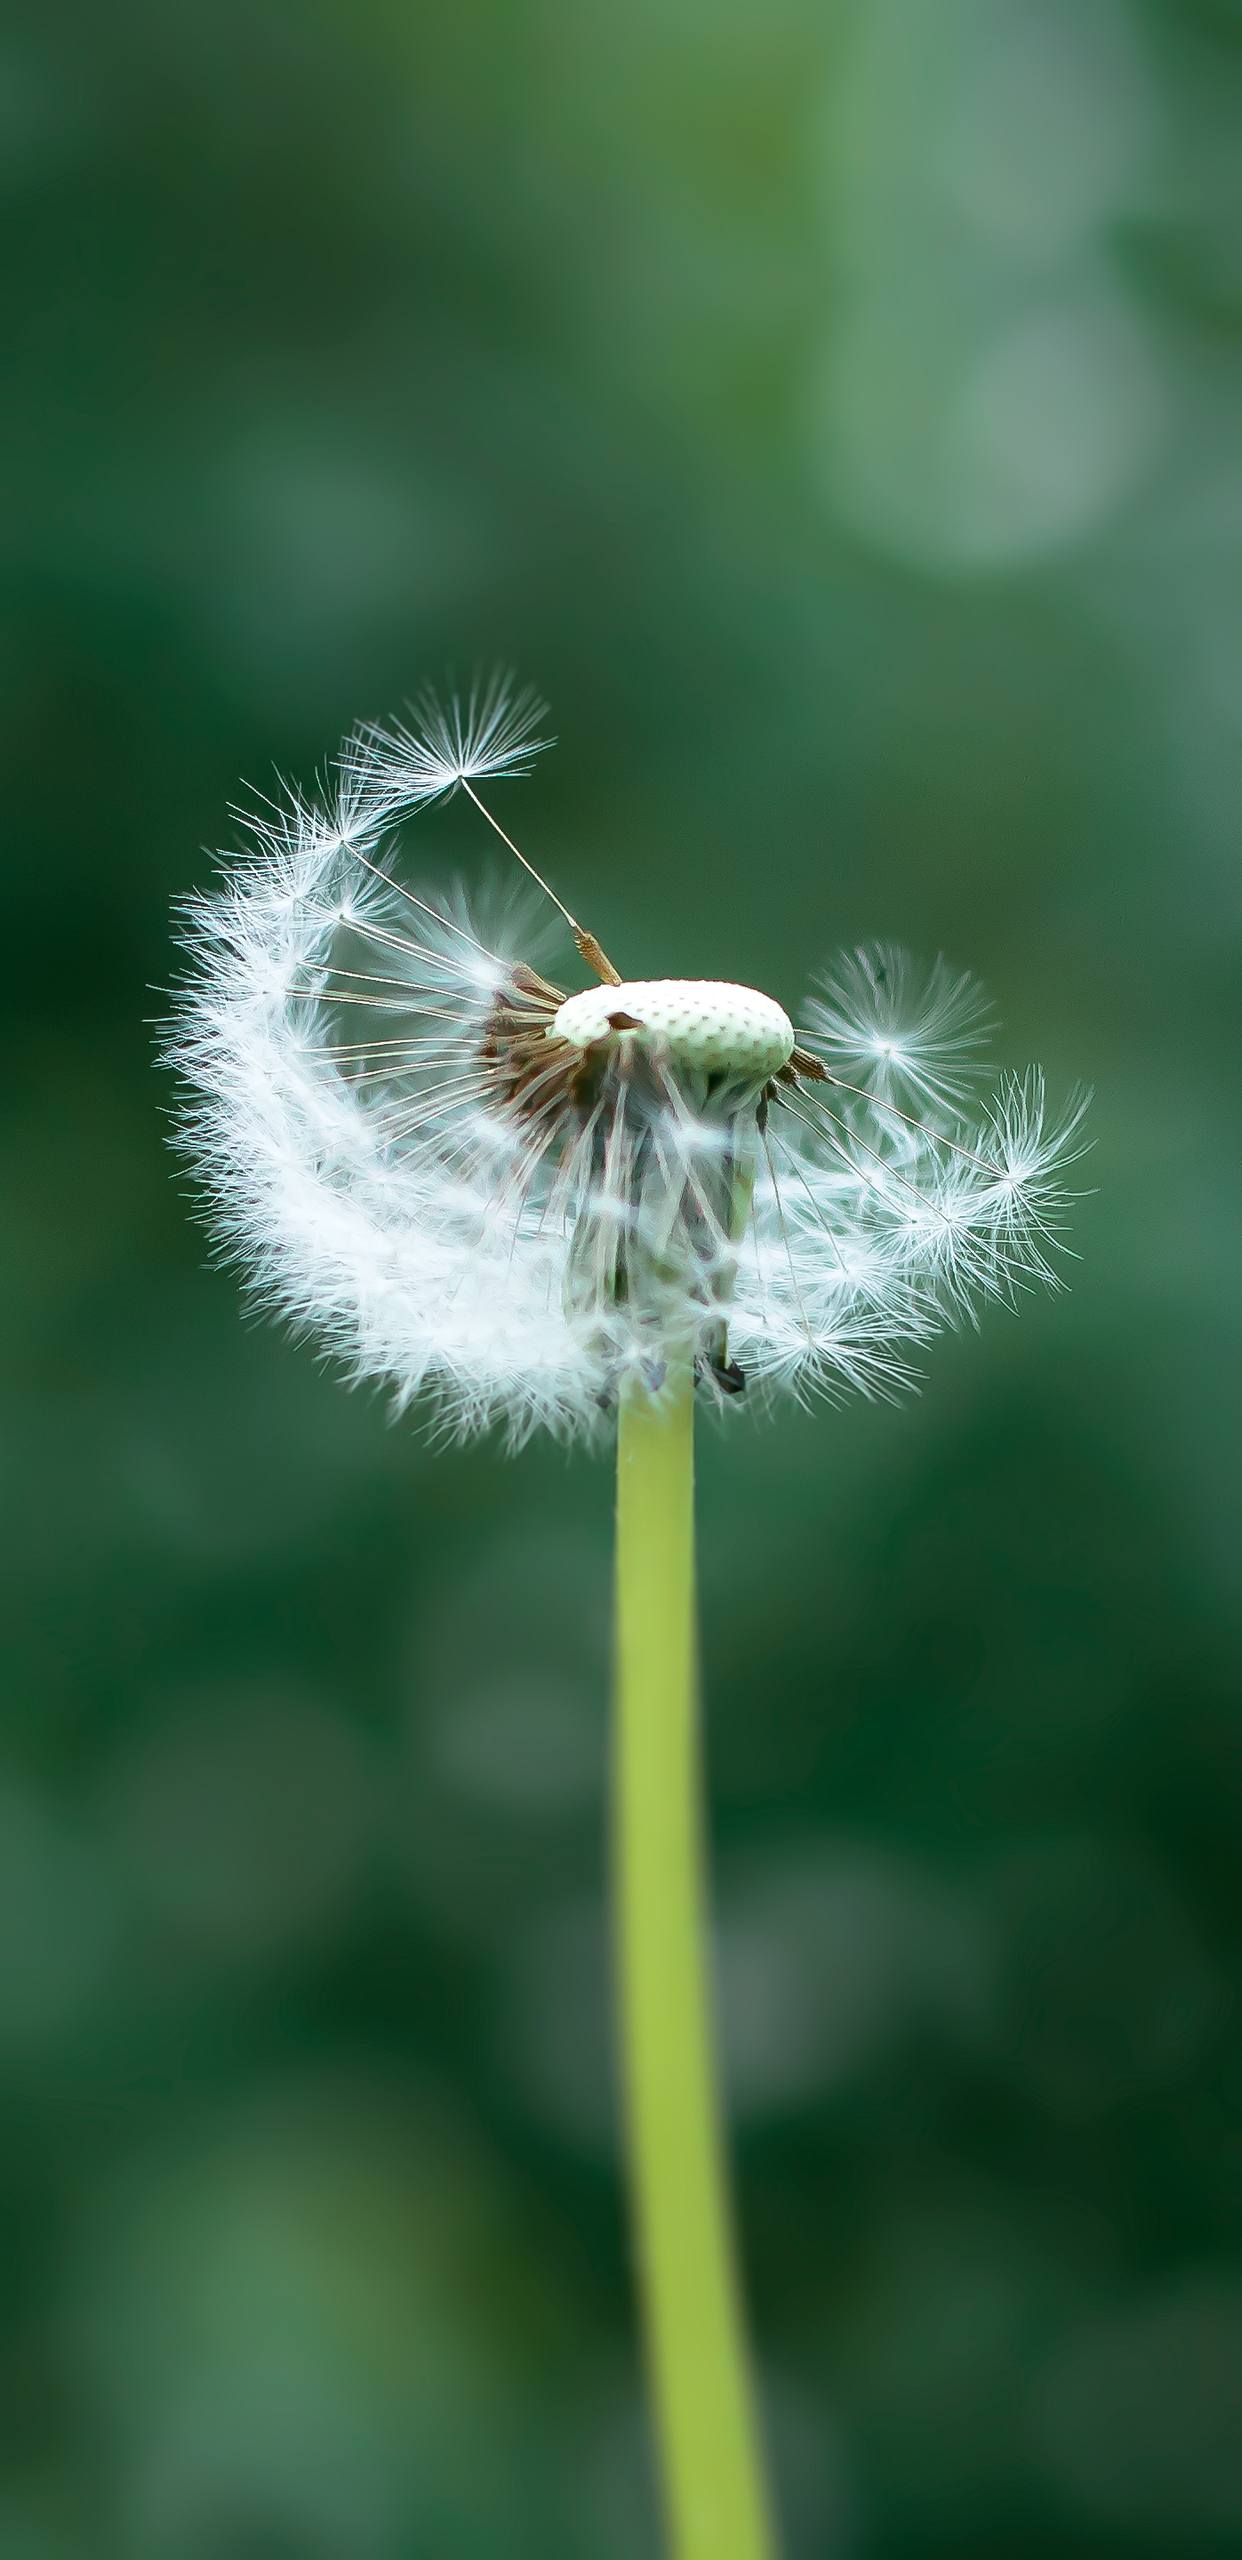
(492, 733)
(914, 1035)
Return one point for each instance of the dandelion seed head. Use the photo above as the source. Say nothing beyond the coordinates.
(505, 1196)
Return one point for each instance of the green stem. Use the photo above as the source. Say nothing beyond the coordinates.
(713, 2483)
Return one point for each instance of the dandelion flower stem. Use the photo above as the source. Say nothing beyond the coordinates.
(713, 2486)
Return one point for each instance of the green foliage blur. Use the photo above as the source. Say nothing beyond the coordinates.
(837, 412)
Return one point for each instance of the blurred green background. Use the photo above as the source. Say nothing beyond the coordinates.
(837, 411)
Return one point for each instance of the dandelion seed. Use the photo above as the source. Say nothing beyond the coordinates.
(906, 1036)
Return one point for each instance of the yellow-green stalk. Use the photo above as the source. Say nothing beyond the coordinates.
(712, 2476)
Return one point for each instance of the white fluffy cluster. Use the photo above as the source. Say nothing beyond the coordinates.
(392, 1171)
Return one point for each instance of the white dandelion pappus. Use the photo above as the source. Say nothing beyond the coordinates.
(904, 1037)
(509, 1196)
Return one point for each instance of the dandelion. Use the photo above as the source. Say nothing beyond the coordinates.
(592, 1208)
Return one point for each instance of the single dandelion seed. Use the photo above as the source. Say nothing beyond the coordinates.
(590, 1209)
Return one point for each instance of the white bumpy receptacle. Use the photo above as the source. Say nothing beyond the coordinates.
(702, 1023)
